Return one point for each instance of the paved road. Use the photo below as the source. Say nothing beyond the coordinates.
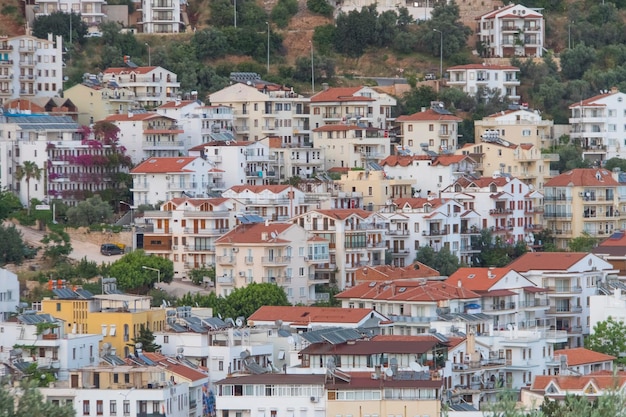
(91, 251)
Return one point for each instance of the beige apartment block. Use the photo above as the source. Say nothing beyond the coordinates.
(516, 126)
(430, 131)
(97, 103)
(152, 86)
(377, 188)
(584, 200)
(351, 146)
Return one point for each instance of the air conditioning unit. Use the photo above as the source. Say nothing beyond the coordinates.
(235, 250)
(92, 359)
(313, 399)
(242, 274)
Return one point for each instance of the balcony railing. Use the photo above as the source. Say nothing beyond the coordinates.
(565, 290)
(565, 310)
(276, 259)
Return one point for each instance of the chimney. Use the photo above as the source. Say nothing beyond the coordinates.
(325, 86)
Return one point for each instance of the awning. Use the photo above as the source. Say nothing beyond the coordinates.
(498, 293)
(535, 289)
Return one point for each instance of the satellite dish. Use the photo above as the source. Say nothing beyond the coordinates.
(239, 322)
(389, 372)
(180, 350)
(273, 235)
(138, 345)
(415, 367)
(106, 346)
(278, 323)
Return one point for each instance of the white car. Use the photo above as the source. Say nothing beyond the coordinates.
(94, 35)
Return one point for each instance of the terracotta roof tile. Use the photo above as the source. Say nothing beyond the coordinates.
(403, 160)
(582, 356)
(546, 261)
(339, 94)
(163, 165)
(579, 382)
(587, 177)
(591, 101)
(477, 279)
(310, 314)
(483, 66)
(387, 272)
(259, 188)
(408, 290)
(418, 202)
(129, 70)
(342, 214)
(447, 160)
(125, 117)
(176, 367)
(176, 104)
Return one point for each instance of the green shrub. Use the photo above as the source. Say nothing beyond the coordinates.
(320, 7)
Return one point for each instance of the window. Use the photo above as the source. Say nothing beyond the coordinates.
(99, 407)
(58, 306)
(86, 407)
(166, 339)
(410, 128)
(431, 127)
(126, 407)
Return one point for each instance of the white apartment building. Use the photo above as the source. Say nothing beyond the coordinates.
(356, 238)
(429, 132)
(430, 173)
(52, 348)
(264, 109)
(434, 222)
(152, 86)
(293, 160)
(364, 106)
(271, 202)
(188, 228)
(509, 207)
(237, 163)
(9, 294)
(517, 127)
(148, 134)
(474, 78)
(571, 279)
(30, 67)
(598, 124)
(351, 145)
(161, 179)
(160, 16)
(90, 11)
(200, 123)
(280, 253)
(512, 30)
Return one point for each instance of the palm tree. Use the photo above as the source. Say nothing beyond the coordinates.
(29, 170)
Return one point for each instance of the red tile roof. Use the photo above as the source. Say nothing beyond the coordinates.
(342, 128)
(408, 290)
(339, 94)
(582, 356)
(198, 201)
(493, 13)
(418, 202)
(176, 104)
(163, 165)
(477, 279)
(387, 272)
(310, 314)
(591, 101)
(604, 381)
(546, 261)
(125, 117)
(617, 239)
(429, 114)
(403, 160)
(483, 66)
(447, 160)
(481, 182)
(176, 367)
(587, 177)
(255, 234)
(342, 214)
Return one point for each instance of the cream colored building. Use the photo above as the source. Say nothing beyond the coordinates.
(351, 145)
(152, 86)
(280, 253)
(500, 157)
(377, 189)
(98, 103)
(518, 127)
(264, 109)
(430, 131)
(584, 200)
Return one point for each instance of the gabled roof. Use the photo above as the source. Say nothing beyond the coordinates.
(587, 177)
(582, 356)
(481, 182)
(343, 214)
(477, 279)
(339, 94)
(255, 233)
(125, 117)
(403, 160)
(310, 314)
(418, 202)
(176, 367)
(447, 160)
(428, 115)
(591, 101)
(494, 13)
(604, 381)
(387, 272)
(408, 290)
(260, 188)
(546, 261)
(196, 202)
(164, 165)
(176, 104)
(129, 70)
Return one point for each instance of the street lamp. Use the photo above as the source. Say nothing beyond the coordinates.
(149, 55)
(131, 211)
(268, 46)
(235, 15)
(312, 70)
(158, 271)
(440, 52)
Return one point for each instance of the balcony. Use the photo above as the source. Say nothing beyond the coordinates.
(275, 260)
(500, 212)
(494, 361)
(399, 252)
(434, 232)
(326, 267)
(471, 248)
(560, 290)
(499, 307)
(398, 233)
(314, 279)
(536, 303)
(199, 248)
(192, 231)
(564, 310)
(226, 279)
(225, 260)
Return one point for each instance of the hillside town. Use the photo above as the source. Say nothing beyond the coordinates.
(329, 196)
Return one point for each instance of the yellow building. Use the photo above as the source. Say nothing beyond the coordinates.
(377, 188)
(118, 317)
(97, 103)
(517, 126)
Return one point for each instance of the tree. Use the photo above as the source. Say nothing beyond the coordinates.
(89, 212)
(146, 338)
(57, 243)
(27, 171)
(445, 17)
(570, 157)
(131, 276)
(575, 61)
(443, 260)
(613, 163)
(11, 245)
(582, 243)
(197, 275)
(58, 23)
(30, 402)
(9, 204)
(608, 337)
(321, 7)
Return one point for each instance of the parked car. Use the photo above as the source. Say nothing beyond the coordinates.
(109, 249)
(430, 76)
(94, 35)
